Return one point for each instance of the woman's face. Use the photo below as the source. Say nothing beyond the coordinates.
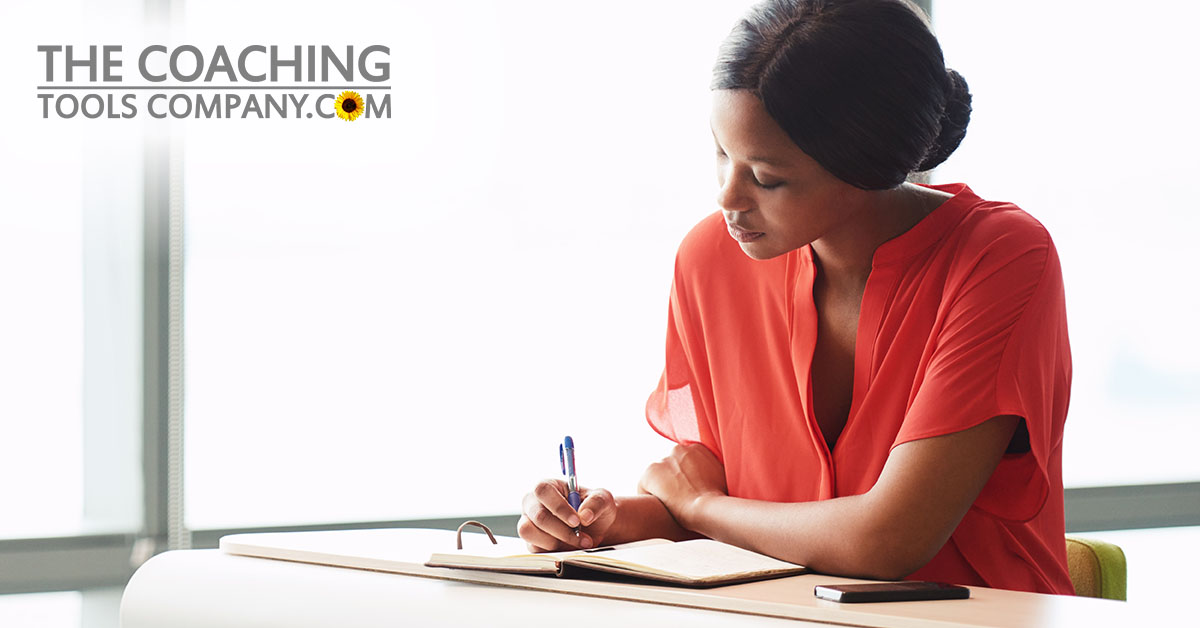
(775, 198)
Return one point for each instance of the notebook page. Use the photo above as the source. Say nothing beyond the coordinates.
(697, 559)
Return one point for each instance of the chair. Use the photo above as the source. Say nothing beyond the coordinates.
(1097, 568)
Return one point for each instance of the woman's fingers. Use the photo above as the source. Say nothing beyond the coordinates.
(598, 505)
(552, 495)
(535, 538)
(538, 539)
(548, 521)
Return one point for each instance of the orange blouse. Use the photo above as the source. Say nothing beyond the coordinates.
(963, 319)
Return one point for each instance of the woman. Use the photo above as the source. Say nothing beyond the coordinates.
(864, 376)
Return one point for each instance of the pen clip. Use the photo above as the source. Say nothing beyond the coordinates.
(562, 459)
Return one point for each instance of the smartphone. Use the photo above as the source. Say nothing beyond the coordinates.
(891, 591)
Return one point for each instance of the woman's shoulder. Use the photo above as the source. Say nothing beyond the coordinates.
(997, 251)
(705, 237)
(996, 231)
(710, 259)
(708, 247)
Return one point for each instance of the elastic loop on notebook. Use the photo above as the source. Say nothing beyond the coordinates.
(474, 523)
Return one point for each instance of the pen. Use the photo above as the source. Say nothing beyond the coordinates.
(566, 458)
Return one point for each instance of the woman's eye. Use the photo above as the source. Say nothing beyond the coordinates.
(767, 186)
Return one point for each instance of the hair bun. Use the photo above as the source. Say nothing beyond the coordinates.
(955, 117)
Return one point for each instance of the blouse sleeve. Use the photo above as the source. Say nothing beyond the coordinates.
(670, 410)
(681, 407)
(1001, 350)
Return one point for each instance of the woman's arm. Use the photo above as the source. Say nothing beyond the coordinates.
(924, 490)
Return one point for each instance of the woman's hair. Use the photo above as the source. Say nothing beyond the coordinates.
(859, 85)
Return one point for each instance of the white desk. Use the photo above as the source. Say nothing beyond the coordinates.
(238, 591)
(190, 589)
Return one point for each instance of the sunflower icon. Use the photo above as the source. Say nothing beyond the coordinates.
(348, 106)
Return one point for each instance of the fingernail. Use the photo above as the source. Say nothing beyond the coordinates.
(586, 517)
(572, 521)
(585, 542)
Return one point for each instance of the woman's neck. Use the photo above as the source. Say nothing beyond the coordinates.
(873, 217)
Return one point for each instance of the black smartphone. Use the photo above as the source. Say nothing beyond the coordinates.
(891, 591)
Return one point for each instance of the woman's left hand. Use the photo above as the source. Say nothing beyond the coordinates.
(681, 479)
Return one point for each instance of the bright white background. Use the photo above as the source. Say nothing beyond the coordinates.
(402, 318)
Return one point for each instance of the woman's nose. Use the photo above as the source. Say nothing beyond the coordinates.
(730, 196)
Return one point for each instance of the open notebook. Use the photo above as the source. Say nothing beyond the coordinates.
(695, 563)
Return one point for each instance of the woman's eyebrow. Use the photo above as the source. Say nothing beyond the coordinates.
(768, 161)
(761, 160)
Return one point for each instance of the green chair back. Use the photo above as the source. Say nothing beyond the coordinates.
(1097, 568)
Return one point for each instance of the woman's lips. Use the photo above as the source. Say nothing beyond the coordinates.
(741, 235)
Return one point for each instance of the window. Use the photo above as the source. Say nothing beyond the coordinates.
(70, 328)
(41, 338)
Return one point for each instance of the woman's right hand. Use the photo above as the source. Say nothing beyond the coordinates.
(548, 521)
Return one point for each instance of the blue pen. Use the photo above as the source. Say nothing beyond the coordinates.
(566, 458)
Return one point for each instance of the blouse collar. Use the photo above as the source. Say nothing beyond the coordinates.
(930, 229)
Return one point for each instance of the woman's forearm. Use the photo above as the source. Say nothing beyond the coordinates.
(841, 536)
(812, 534)
(644, 517)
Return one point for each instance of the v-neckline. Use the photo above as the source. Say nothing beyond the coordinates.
(804, 334)
(885, 265)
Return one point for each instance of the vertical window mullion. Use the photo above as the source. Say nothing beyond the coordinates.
(163, 524)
